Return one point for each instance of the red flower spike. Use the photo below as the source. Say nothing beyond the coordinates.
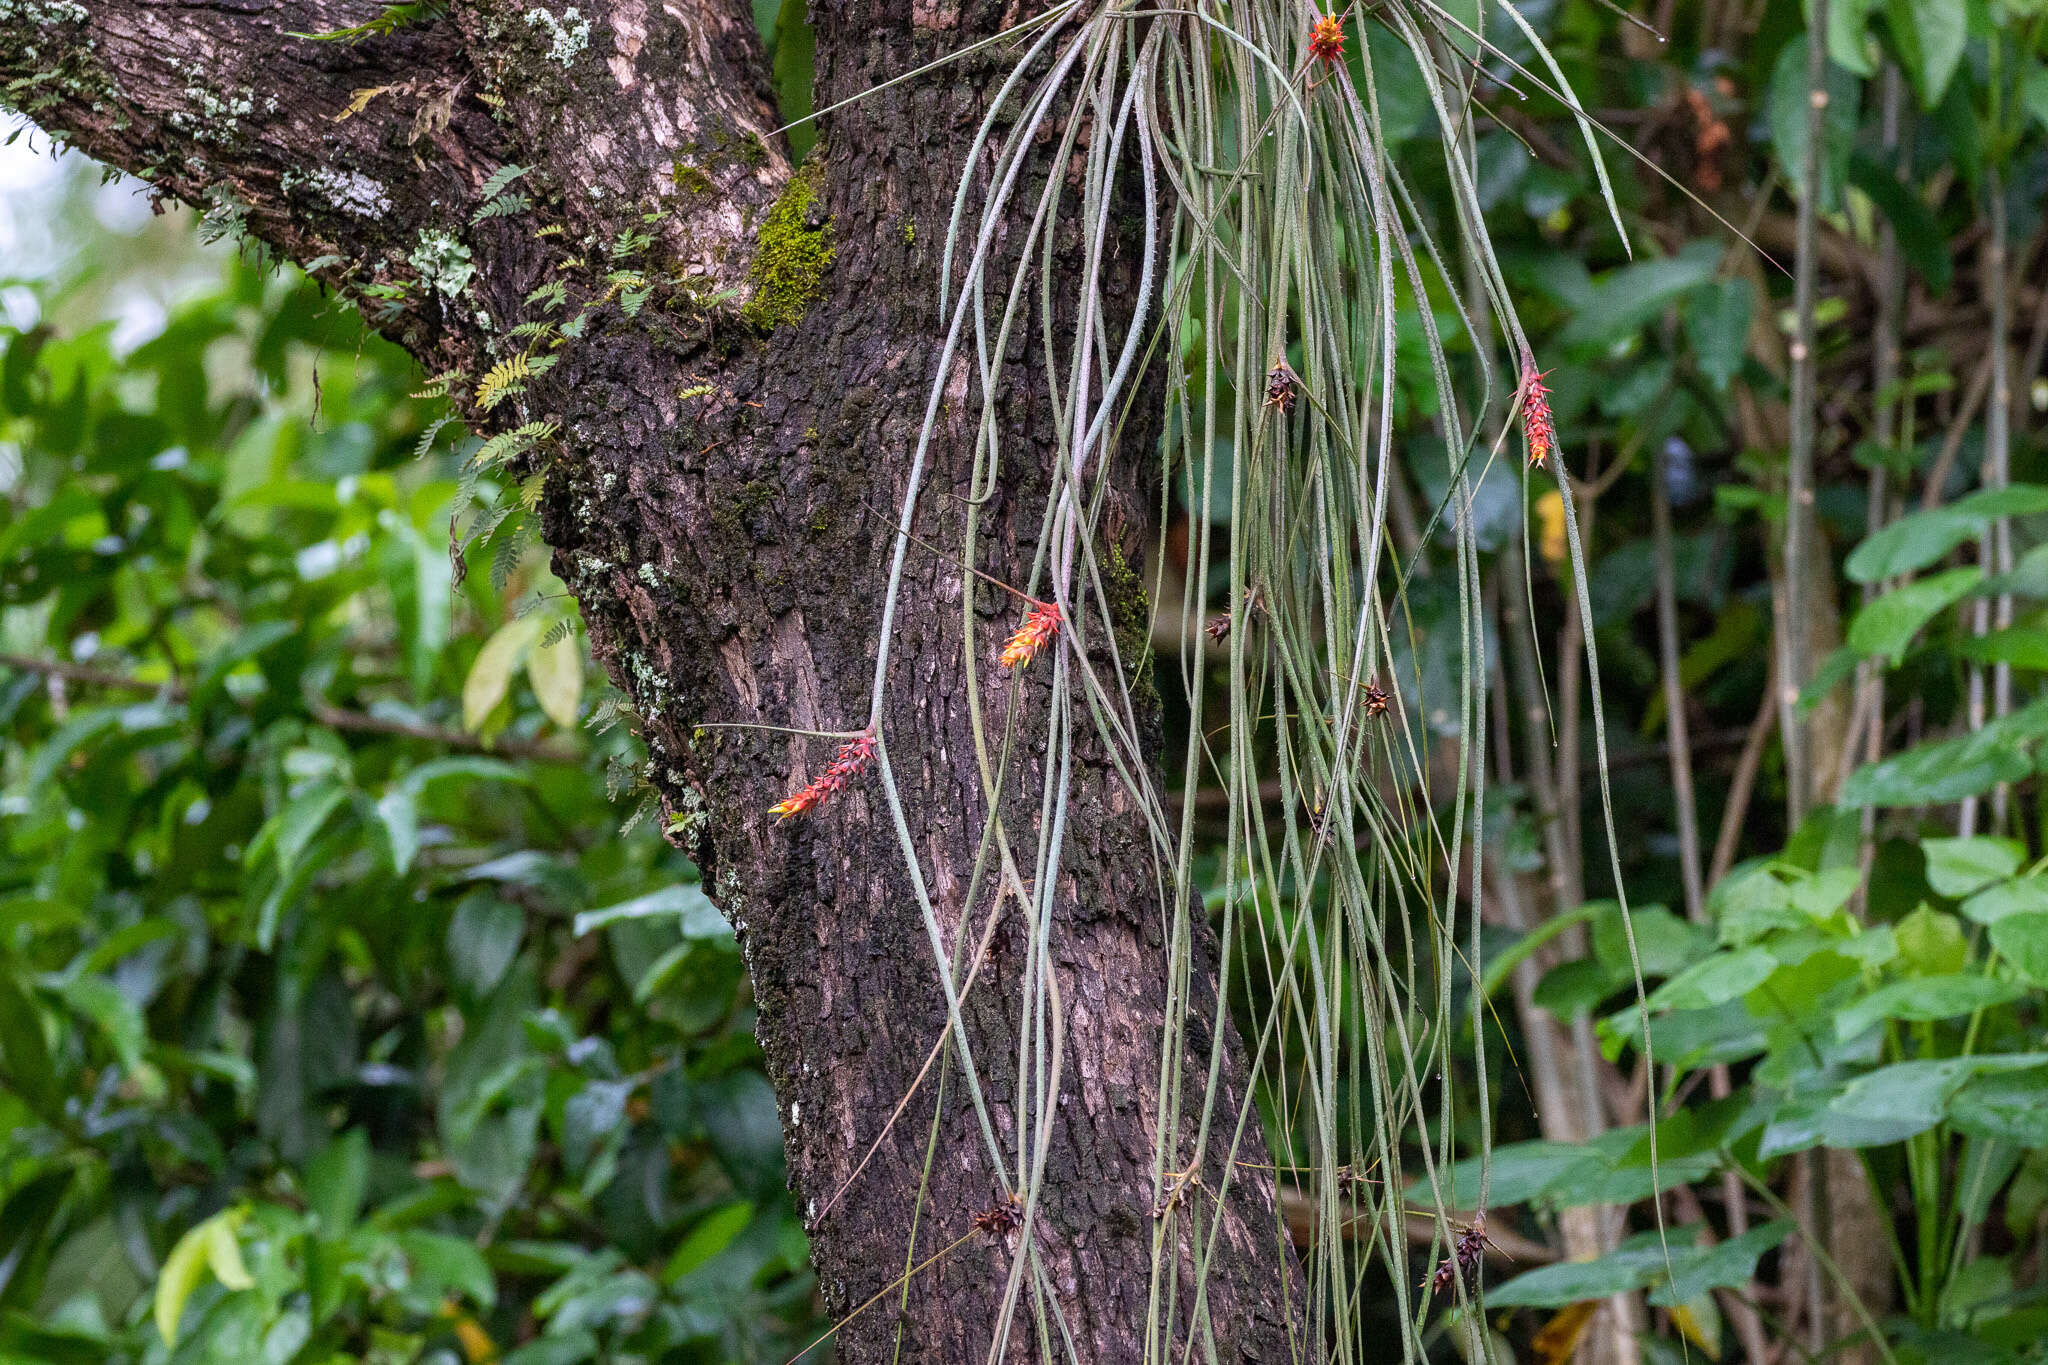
(1038, 630)
(1536, 421)
(1326, 40)
(850, 762)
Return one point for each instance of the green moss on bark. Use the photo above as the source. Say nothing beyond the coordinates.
(791, 258)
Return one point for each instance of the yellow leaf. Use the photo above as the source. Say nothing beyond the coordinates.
(556, 672)
(491, 674)
(210, 1245)
(360, 101)
(1558, 1338)
(1700, 1322)
(1550, 515)
(224, 1252)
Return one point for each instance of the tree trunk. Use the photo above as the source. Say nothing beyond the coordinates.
(723, 439)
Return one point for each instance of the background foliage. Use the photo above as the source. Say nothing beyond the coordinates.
(339, 1019)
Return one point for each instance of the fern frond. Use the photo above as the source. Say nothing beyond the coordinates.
(501, 179)
(638, 817)
(507, 444)
(554, 293)
(533, 329)
(511, 547)
(609, 711)
(392, 19)
(505, 378)
(504, 206)
(437, 387)
(557, 632)
(426, 441)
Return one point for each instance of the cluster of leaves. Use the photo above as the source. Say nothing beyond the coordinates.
(337, 1020)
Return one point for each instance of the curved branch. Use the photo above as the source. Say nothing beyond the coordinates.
(367, 161)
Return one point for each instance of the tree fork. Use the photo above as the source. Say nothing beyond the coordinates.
(719, 440)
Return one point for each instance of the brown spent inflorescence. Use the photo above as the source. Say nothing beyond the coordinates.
(1000, 1219)
(850, 762)
(1326, 40)
(1219, 627)
(1282, 386)
(1376, 700)
(1536, 420)
(1463, 1262)
(1038, 630)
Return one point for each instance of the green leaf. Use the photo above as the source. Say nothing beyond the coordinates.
(483, 938)
(1726, 1265)
(442, 1265)
(1918, 539)
(1628, 296)
(1994, 903)
(1717, 321)
(1918, 1092)
(113, 1013)
(711, 1235)
(398, 819)
(1924, 998)
(1572, 988)
(490, 677)
(2005, 1107)
(1633, 1266)
(2034, 94)
(1715, 980)
(470, 767)
(25, 1222)
(1957, 867)
(2020, 646)
(1786, 107)
(2023, 941)
(696, 916)
(556, 672)
(337, 1178)
(289, 831)
(1921, 240)
(1848, 23)
(1949, 770)
(24, 1052)
(1931, 942)
(1930, 36)
(1887, 625)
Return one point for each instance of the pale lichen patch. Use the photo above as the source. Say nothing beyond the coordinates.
(351, 192)
(442, 262)
(568, 35)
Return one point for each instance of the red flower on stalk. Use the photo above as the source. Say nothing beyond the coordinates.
(850, 762)
(1040, 626)
(1536, 419)
(1326, 40)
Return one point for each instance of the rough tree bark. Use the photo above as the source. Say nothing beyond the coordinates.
(721, 546)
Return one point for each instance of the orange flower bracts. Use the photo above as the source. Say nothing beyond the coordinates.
(1536, 421)
(1326, 40)
(851, 761)
(1039, 627)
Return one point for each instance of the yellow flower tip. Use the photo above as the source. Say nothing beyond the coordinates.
(1326, 39)
(1041, 624)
